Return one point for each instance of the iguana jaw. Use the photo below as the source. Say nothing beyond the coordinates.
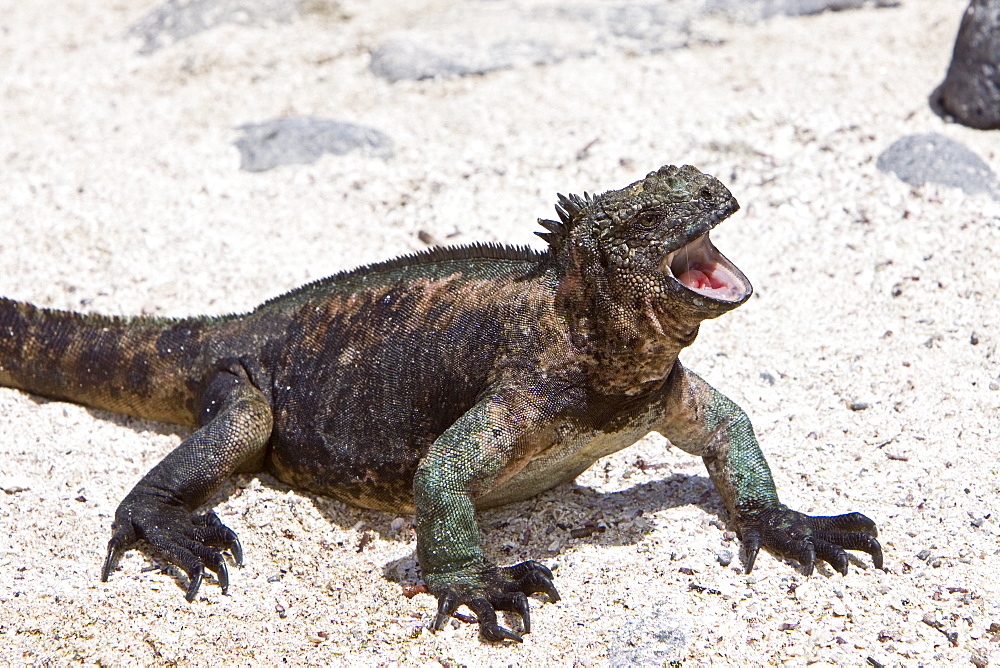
(700, 268)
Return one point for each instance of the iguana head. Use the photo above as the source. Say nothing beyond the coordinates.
(651, 239)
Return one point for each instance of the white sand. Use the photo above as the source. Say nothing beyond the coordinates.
(121, 194)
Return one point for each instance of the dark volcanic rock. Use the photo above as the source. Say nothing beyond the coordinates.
(971, 90)
(933, 158)
(302, 139)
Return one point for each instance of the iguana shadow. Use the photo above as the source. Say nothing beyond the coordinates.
(571, 515)
(560, 514)
(547, 524)
(540, 528)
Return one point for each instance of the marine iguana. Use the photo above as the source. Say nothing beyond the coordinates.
(439, 383)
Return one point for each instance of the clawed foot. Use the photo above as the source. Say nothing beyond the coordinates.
(805, 539)
(191, 542)
(493, 589)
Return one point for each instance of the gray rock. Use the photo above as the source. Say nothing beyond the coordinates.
(416, 57)
(303, 139)
(934, 158)
(764, 9)
(971, 90)
(477, 37)
(653, 640)
(645, 28)
(176, 20)
(480, 37)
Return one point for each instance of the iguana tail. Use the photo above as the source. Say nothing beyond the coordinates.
(147, 367)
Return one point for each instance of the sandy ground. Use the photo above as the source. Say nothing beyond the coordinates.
(121, 193)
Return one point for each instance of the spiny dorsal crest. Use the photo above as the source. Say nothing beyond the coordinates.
(571, 210)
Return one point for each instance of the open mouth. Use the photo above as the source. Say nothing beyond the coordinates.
(700, 267)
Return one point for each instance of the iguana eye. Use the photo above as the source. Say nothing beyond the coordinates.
(705, 192)
(646, 221)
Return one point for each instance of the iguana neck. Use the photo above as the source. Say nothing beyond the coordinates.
(626, 341)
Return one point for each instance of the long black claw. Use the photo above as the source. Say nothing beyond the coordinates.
(856, 540)
(807, 558)
(751, 546)
(196, 577)
(123, 536)
(536, 583)
(831, 554)
(111, 561)
(521, 604)
(488, 626)
(211, 531)
(115, 551)
(513, 602)
(447, 605)
(497, 633)
(531, 577)
(875, 549)
(222, 572)
(236, 548)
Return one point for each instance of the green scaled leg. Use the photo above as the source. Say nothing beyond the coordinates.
(702, 421)
(467, 457)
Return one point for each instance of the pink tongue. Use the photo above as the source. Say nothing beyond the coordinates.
(701, 277)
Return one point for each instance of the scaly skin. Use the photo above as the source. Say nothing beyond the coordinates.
(439, 383)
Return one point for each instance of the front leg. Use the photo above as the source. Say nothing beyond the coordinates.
(464, 461)
(702, 421)
(160, 508)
